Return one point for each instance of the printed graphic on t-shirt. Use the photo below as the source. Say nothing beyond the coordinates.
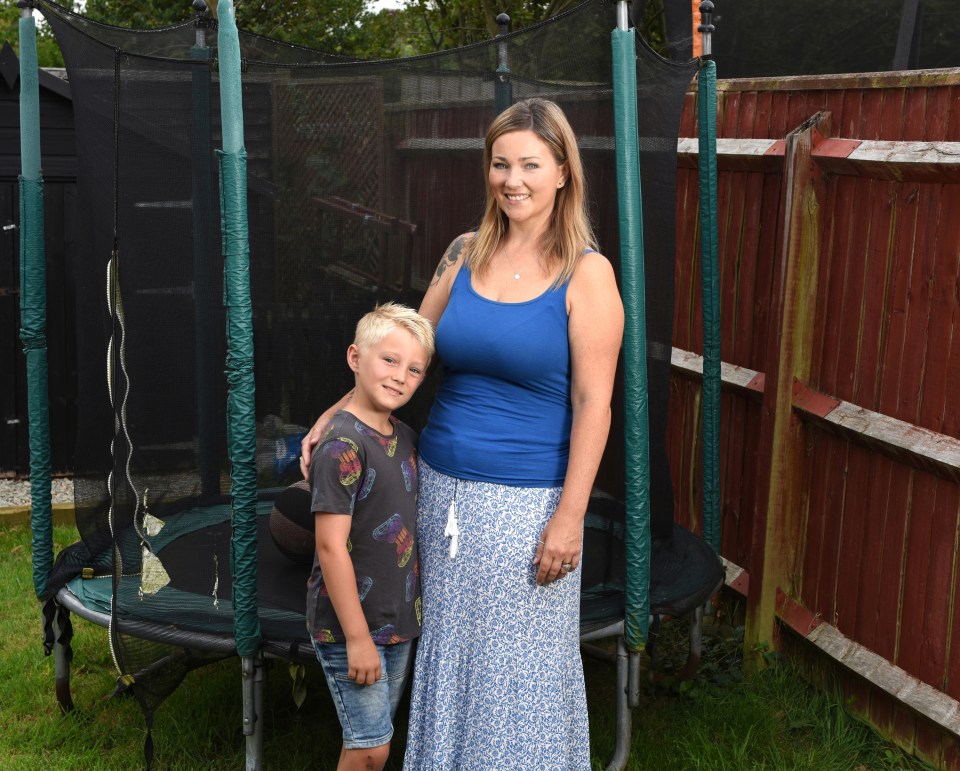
(394, 531)
(344, 450)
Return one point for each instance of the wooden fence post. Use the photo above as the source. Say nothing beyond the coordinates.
(777, 550)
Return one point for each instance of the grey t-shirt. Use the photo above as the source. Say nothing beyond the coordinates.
(358, 471)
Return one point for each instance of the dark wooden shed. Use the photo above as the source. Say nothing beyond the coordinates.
(58, 159)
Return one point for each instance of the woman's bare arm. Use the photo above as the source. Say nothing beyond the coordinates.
(595, 329)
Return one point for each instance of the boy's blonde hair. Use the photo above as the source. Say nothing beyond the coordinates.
(383, 319)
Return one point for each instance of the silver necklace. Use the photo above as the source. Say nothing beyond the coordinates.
(516, 273)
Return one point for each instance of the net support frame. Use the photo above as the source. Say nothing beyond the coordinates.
(636, 407)
(204, 264)
(503, 86)
(33, 303)
(710, 283)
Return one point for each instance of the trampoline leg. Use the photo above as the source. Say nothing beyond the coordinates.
(633, 679)
(696, 644)
(622, 751)
(62, 654)
(653, 636)
(253, 710)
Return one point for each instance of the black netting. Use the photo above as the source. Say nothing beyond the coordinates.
(359, 175)
(807, 37)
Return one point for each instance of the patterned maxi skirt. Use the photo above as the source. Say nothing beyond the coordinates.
(498, 682)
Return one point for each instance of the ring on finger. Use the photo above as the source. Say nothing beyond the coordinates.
(566, 567)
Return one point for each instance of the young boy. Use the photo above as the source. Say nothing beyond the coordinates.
(363, 597)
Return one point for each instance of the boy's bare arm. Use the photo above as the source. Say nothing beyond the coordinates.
(340, 579)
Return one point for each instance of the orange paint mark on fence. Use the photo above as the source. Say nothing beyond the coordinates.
(697, 40)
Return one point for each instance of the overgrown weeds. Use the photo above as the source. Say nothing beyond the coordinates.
(723, 720)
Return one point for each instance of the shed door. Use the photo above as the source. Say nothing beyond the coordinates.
(59, 201)
(13, 403)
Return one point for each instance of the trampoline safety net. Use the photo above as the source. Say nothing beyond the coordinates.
(359, 174)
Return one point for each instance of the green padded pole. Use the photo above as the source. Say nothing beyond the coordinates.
(241, 418)
(33, 304)
(636, 426)
(710, 278)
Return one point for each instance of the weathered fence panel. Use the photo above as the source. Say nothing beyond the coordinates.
(857, 525)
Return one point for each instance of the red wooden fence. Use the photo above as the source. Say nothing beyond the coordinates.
(839, 213)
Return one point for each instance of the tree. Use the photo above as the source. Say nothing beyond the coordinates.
(139, 14)
(334, 26)
(438, 25)
(48, 52)
(345, 27)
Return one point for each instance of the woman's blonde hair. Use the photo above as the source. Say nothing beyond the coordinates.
(569, 232)
(383, 319)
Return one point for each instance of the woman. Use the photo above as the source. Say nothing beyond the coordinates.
(529, 323)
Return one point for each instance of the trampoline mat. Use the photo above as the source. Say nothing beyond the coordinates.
(193, 548)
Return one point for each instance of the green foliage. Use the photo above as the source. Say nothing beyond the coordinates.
(48, 51)
(139, 14)
(347, 27)
(335, 26)
(438, 25)
(344, 27)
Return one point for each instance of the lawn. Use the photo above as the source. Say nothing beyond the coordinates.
(720, 720)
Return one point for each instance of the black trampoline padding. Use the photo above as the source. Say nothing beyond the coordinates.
(684, 569)
(194, 549)
(199, 561)
(602, 585)
(684, 572)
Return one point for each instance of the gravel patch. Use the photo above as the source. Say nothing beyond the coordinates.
(16, 492)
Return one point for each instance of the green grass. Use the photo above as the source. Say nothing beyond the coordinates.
(718, 721)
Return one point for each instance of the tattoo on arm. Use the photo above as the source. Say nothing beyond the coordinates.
(449, 259)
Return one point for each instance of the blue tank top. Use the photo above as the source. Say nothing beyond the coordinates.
(503, 411)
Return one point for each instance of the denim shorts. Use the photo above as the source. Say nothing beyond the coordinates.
(366, 711)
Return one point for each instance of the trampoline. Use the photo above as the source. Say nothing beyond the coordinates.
(685, 572)
(339, 184)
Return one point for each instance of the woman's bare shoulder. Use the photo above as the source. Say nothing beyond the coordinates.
(452, 256)
(592, 267)
(438, 291)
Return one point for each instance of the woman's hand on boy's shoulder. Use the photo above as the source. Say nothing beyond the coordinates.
(311, 441)
(316, 433)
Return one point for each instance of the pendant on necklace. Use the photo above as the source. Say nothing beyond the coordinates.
(517, 275)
